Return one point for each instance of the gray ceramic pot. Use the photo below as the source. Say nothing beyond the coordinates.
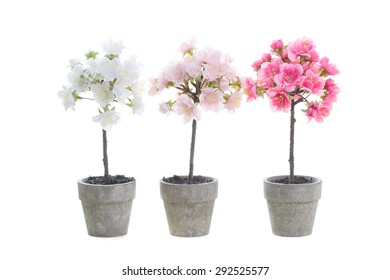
(107, 208)
(189, 207)
(292, 207)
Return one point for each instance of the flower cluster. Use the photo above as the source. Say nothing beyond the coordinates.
(203, 79)
(294, 73)
(108, 79)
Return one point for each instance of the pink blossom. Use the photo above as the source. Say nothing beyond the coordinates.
(331, 69)
(277, 44)
(279, 100)
(302, 47)
(324, 110)
(250, 89)
(211, 100)
(266, 57)
(318, 112)
(290, 76)
(268, 71)
(234, 101)
(186, 107)
(256, 65)
(314, 83)
(331, 87)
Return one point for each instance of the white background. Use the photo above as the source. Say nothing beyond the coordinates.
(45, 150)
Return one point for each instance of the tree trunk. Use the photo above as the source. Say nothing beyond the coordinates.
(105, 157)
(192, 152)
(292, 130)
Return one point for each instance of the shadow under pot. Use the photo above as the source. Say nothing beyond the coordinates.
(107, 208)
(189, 207)
(292, 207)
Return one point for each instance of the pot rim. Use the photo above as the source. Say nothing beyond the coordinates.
(316, 180)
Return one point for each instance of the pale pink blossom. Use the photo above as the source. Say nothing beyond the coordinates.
(188, 47)
(224, 84)
(192, 65)
(314, 83)
(186, 107)
(165, 108)
(290, 76)
(211, 100)
(331, 69)
(277, 44)
(250, 89)
(175, 73)
(234, 101)
(154, 89)
(279, 99)
(302, 47)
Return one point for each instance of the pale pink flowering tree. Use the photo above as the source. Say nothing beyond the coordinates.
(293, 74)
(202, 80)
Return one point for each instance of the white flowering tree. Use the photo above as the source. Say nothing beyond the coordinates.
(108, 81)
(202, 80)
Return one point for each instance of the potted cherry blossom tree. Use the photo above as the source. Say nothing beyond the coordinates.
(106, 199)
(202, 80)
(292, 75)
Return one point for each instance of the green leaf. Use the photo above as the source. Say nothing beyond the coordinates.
(91, 55)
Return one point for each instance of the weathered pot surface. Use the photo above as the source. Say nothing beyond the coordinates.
(189, 207)
(107, 208)
(292, 207)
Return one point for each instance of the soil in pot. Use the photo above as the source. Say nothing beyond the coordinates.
(110, 180)
(297, 180)
(184, 180)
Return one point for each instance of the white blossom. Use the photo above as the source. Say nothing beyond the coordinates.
(67, 98)
(73, 62)
(107, 119)
(102, 94)
(130, 70)
(110, 69)
(77, 80)
(137, 105)
(113, 47)
(121, 91)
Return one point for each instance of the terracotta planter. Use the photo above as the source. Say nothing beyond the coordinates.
(189, 207)
(107, 208)
(292, 207)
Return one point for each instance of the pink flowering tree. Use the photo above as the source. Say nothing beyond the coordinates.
(294, 74)
(201, 80)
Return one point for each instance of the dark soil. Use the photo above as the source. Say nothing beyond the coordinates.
(184, 180)
(297, 180)
(111, 180)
